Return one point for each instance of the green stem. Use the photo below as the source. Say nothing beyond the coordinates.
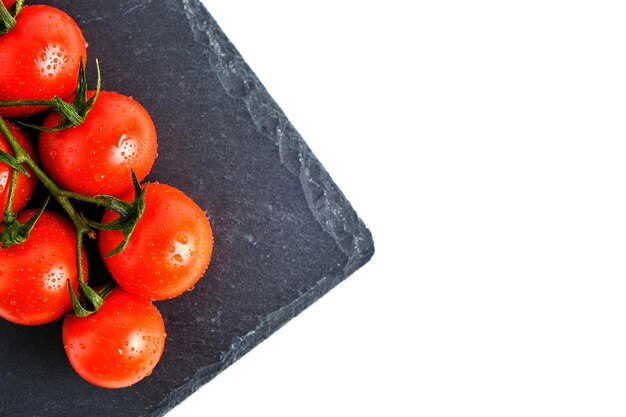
(79, 256)
(18, 7)
(66, 111)
(16, 103)
(86, 291)
(57, 192)
(8, 214)
(6, 19)
(85, 198)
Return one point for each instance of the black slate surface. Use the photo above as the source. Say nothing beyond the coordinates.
(285, 234)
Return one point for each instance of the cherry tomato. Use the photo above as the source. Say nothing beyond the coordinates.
(117, 346)
(8, 3)
(25, 185)
(168, 252)
(34, 275)
(40, 58)
(97, 156)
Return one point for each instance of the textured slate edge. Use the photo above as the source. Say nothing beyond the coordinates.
(272, 322)
(327, 203)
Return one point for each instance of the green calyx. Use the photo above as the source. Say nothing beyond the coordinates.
(14, 232)
(129, 214)
(94, 299)
(72, 114)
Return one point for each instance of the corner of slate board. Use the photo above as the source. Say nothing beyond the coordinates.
(284, 233)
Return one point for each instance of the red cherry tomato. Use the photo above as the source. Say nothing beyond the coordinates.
(34, 275)
(168, 252)
(40, 58)
(97, 156)
(25, 185)
(117, 346)
(8, 3)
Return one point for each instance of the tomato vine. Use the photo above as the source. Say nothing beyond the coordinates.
(94, 149)
(14, 233)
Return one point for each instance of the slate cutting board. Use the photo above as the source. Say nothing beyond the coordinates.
(285, 234)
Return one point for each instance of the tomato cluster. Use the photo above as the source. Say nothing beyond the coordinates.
(93, 148)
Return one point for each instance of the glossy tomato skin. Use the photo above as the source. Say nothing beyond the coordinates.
(168, 252)
(25, 185)
(97, 156)
(117, 346)
(34, 274)
(40, 58)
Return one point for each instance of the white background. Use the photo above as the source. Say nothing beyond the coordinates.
(483, 142)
